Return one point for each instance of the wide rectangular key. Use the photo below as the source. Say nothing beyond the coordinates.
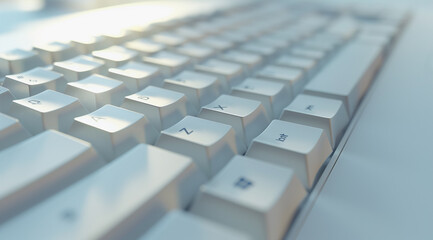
(47, 110)
(96, 90)
(199, 88)
(55, 51)
(162, 107)
(183, 225)
(272, 95)
(170, 63)
(210, 144)
(348, 75)
(247, 117)
(325, 113)
(80, 67)
(252, 196)
(229, 73)
(302, 148)
(291, 77)
(137, 75)
(6, 99)
(18, 60)
(40, 166)
(119, 201)
(115, 56)
(145, 46)
(11, 131)
(113, 130)
(34, 81)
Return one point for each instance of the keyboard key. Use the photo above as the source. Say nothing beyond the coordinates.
(170, 63)
(291, 77)
(96, 91)
(197, 52)
(6, 99)
(40, 166)
(264, 50)
(143, 29)
(209, 144)
(348, 75)
(207, 27)
(33, 82)
(86, 45)
(145, 46)
(113, 130)
(217, 43)
(115, 56)
(80, 67)
(190, 33)
(272, 95)
(136, 75)
(170, 39)
(55, 52)
(119, 201)
(18, 60)
(247, 117)
(162, 107)
(307, 65)
(325, 113)
(344, 27)
(250, 61)
(47, 110)
(182, 225)
(315, 54)
(11, 131)
(118, 36)
(302, 148)
(235, 196)
(199, 89)
(318, 44)
(234, 36)
(229, 73)
(278, 43)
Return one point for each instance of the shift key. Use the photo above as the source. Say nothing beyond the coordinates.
(348, 75)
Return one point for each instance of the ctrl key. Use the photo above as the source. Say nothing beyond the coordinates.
(40, 166)
(235, 197)
(119, 201)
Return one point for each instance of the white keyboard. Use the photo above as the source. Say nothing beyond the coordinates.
(211, 126)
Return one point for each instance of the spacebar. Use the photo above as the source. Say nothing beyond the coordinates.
(348, 75)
